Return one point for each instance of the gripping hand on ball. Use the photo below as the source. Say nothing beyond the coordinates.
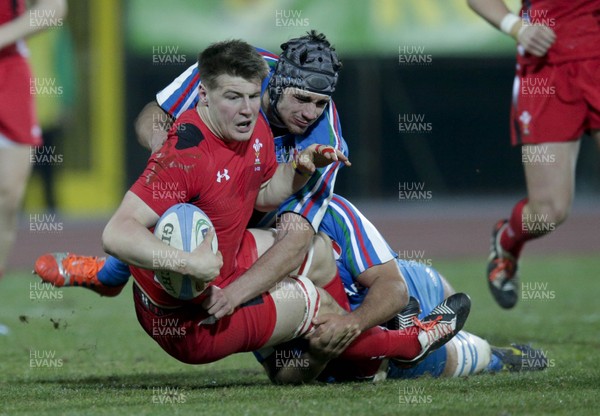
(203, 264)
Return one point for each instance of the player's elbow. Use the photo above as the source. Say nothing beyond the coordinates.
(298, 235)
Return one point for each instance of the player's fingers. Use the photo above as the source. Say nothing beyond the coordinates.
(220, 313)
(310, 166)
(541, 43)
(218, 309)
(328, 152)
(348, 337)
(343, 158)
(322, 340)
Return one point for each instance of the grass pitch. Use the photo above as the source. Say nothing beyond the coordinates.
(71, 352)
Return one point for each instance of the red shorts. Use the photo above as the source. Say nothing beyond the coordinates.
(178, 332)
(555, 103)
(181, 334)
(18, 121)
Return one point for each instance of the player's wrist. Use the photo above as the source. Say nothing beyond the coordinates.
(298, 170)
(511, 24)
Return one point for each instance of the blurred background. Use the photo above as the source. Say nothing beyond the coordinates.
(423, 98)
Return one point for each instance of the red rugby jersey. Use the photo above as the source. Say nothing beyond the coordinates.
(10, 10)
(576, 24)
(221, 178)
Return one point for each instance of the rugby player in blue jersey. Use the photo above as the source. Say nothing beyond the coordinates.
(362, 256)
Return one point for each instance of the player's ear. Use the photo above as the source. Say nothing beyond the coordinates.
(203, 95)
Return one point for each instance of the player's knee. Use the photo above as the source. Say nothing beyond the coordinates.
(550, 211)
(323, 267)
(10, 198)
(297, 302)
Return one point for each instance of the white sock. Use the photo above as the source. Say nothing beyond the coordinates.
(473, 354)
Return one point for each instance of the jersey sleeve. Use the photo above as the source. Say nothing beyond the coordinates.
(361, 245)
(167, 181)
(312, 200)
(182, 94)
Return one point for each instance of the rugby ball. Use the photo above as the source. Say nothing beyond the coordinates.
(183, 226)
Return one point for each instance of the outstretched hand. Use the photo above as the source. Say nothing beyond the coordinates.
(318, 156)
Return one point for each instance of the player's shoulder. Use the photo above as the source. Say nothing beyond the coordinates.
(186, 131)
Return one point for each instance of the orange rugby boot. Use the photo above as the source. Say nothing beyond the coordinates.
(67, 269)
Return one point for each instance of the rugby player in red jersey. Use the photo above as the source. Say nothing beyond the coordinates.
(556, 98)
(211, 158)
(296, 99)
(18, 124)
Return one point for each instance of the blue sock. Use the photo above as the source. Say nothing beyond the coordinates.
(114, 272)
(495, 364)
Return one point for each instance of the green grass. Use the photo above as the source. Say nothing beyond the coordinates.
(105, 364)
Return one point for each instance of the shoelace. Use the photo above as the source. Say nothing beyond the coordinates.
(81, 268)
(426, 326)
(503, 265)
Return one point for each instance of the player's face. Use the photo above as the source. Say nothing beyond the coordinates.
(299, 109)
(233, 106)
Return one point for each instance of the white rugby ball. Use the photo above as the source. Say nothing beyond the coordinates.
(183, 226)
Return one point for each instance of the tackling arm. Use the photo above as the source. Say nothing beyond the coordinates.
(293, 238)
(151, 126)
(387, 295)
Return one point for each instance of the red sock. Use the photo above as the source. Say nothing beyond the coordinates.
(515, 235)
(379, 343)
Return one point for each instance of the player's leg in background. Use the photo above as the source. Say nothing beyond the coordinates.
(15, 167)
(550, 188)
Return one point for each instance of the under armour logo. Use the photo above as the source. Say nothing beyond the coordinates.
(225, 175)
